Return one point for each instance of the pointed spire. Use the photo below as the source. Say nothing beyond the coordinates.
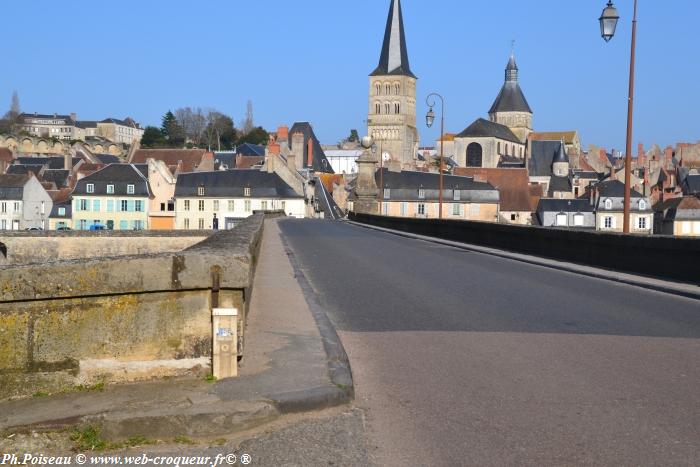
(512, 69)
(394, 57)
(561, 154)
(511, 97)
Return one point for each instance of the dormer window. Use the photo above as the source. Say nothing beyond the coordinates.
(642, 205)
(387, 193)
(608, 204)
(200, 191)
(421, 193)
(110, 189)
(130, 189)
(246, 191)
(90, 188)
(61, 211)
(457, 195)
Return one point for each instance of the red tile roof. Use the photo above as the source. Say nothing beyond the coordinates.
(190, 158)
(6, 155)
(512, 184)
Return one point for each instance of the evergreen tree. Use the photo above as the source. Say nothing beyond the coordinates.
(172, 131)
(256, 136)
(153, 138)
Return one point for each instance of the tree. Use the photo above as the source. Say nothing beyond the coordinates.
(10, 120)
(153, 138)
(220, 131)
(172, 131)
(354, 137)
(248, 123)
(256, 136)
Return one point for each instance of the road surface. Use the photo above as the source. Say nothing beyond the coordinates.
(461, 358)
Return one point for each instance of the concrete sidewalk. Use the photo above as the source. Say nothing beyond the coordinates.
(286, 368)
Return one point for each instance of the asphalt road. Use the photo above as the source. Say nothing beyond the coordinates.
(461, 358)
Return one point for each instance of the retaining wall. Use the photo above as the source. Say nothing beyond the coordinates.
(665, 257)
(123, 318)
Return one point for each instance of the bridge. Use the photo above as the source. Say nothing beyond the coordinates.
(465, 358)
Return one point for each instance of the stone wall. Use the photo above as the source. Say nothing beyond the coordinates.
(90, 320)
(41, 247)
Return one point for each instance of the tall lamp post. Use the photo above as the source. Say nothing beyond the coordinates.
(608, 24)
(429, 120)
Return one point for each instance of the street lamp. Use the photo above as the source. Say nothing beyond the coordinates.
(608, 23)
(429, 120)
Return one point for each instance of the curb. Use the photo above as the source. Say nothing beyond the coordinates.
(338, 363)
(583, 270)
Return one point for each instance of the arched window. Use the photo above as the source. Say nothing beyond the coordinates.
(378, 108)
(642, 205)
(387, 108)
(397, 89)
(378, 89)
(608, 204)
(387, 89)
(397, 108)
(474, 155)
(498, 146)
(521, 152)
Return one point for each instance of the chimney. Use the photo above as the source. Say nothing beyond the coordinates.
(298, 149)
(273, 146)
(612, 173)
(68, 162)
(283, 133)
(74, 116)
(669, 156)
(270, 160)
(310, 154)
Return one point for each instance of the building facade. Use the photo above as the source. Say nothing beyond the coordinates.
(608, 200)
(510, 107)
(49, 126)
(230, 196)
(120, 131)
(484, 143)
(391, 118)
(24, 203)
(115, 198)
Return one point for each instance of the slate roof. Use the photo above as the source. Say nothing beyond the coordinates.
(404, 186)
(126, 122)
(511, 97)
(542, 154)
(394, 56)
(564, 205)
(615, 189)
(320, 162)
(691, 184)
(69, 121)
(232, 184)
(85, 124)
(12, 186)
(512, 184)
(559, 184)
(686, 208)
(68, 211)
(108, 158)
(119, 175)
(23, 169)
(482, 128)
(253, 150)
(566, 136)
(53, 162)
(57, 176)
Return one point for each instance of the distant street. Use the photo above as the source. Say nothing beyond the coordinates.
(466, 359)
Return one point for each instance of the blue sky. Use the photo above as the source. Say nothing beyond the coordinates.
(309, 60)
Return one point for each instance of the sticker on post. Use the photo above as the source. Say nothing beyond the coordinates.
(224, 332)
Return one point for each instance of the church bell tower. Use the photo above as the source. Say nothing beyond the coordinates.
(392, 96)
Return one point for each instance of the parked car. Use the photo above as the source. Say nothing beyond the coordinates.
(33, 228)
(97, 227)
(63, 228)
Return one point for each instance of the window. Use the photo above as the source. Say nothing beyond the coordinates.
(378, 108)
(284, 205)
(201, 205)
(201, 223)
(82, 205)
(387, 89)
(642, 205)
(187, 224)
(171, 206)
(642, 223)
(457, 194)
(123, 225)
(90, 188)
(421, 193)
(200, 191)
(608, 204)
(43, 208)
(397, 89)
(3, 207)
(397, 108)
(130, 189)
(387, 193)
(513, 217)
(421, 209)
(561, 220)
(247, 205)
(17, 208)
(61, 211)
(608, 222)
(456, 209)
(82, 224)
(138, 206)
(162, 206)
(378, 89)
(231, 205)
(137, 225)
(3, 224)
(187, 205)
(263, 205)
(474, 155)
(387, 109)
(404, 209)
(385, 209)
(96, 205)
(246, 191)
(578, 220)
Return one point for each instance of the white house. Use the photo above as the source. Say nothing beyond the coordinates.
(24, 203)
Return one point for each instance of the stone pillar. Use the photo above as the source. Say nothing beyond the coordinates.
(366, 190)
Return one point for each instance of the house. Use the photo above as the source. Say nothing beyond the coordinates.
(548, 165)
(48, 126)
(161, 209)
(178, 160)
(61, 216)
(116, 197)
(230, 196)
(517, 204)
(608, 197)
(416, 194)
(678, 216)
(306, 149)
(24, 203)
(572, 213)
(120, 131)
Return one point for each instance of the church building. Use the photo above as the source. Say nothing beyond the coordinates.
(391, 119)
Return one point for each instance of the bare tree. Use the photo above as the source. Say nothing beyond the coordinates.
(199, 125)
(12, 115)
(248, 123)
(184, 117)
